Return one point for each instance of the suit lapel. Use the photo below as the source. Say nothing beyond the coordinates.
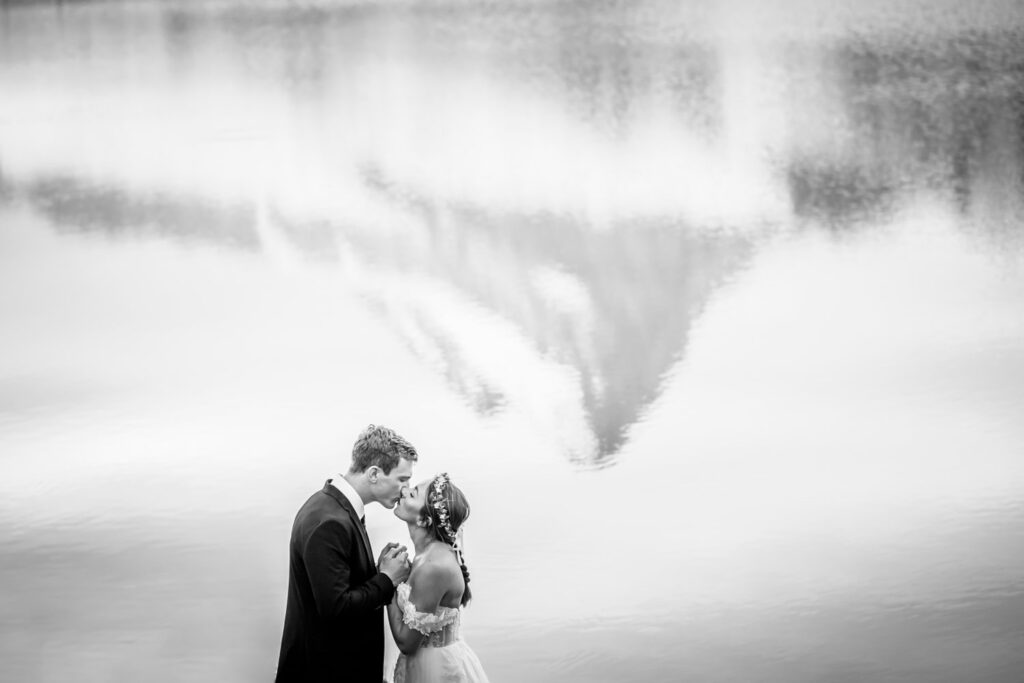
(337, 495)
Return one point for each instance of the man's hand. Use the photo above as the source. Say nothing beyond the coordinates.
(394, 561)
(384, 553)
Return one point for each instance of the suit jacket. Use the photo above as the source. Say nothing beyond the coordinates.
(334, 621)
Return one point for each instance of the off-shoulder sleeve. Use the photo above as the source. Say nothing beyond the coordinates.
(423, 622)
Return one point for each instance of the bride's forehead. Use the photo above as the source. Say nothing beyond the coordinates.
(425, 484)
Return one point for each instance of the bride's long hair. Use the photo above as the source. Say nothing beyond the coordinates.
(454, 501)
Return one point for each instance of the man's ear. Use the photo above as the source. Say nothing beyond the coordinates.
(372, 473)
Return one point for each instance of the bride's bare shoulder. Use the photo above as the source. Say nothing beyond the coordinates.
(437, 561)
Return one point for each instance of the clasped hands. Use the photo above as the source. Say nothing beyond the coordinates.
(394, 561)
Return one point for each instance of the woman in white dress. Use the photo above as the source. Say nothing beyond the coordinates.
(426, 611)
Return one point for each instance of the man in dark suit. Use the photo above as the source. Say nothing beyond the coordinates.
(334, 621)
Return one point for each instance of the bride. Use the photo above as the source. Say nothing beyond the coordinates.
(425, 613)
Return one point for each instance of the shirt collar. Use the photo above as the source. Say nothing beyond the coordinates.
(349, 492)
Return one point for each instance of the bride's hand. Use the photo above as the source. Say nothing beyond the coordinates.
(385, 552)
(395, 563)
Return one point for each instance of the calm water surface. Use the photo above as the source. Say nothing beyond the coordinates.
(715, 310)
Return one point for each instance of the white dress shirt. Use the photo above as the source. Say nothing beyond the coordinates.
(349, 492)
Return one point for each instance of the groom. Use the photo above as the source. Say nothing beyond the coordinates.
(334, 621)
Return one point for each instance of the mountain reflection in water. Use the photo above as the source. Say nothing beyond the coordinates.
(607, 278)
(624, 296)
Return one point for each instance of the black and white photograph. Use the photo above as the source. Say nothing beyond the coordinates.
(512, 341)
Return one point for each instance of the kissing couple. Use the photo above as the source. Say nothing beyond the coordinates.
(337, 594)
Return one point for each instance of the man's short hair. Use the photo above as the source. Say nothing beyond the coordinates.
(382, 447)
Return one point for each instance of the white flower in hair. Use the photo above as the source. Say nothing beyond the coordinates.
(439, 501)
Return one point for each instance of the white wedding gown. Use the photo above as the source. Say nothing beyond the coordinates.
(444, 656)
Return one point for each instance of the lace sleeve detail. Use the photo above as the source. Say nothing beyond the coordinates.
(423, 622)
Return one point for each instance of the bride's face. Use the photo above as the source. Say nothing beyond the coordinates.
(413, 500)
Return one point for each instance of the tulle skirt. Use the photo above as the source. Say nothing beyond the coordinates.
(455, 663)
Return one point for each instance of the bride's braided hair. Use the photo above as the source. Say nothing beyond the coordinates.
(447, 509)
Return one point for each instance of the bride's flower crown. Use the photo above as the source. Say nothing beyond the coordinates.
(439, 501)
